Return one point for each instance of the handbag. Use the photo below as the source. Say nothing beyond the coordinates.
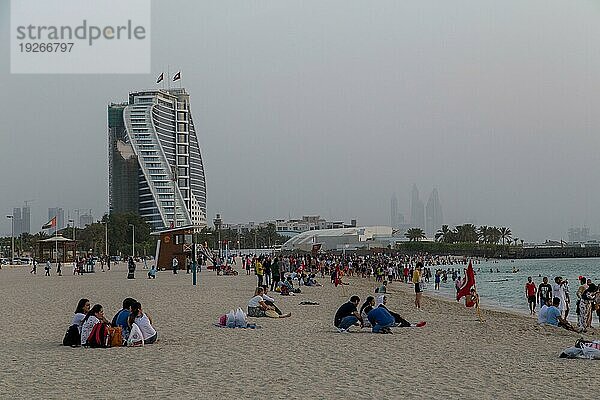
(116, 336)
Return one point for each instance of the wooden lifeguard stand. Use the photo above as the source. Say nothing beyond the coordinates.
(175, 243)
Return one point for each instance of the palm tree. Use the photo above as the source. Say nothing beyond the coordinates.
(444, 234)
(415, 234)
(505, 234)
(483, 234)
(466, 233)
(494, 235)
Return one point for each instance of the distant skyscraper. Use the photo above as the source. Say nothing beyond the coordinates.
(433, 212)
(60, 218)
(155, 165)
(26, 220)
(86, 219)
(17, 221)
(394, 211)
(417, 210)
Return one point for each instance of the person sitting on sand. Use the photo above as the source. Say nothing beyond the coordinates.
(93, 317)
(347, 315)
(554, 318)
(121, 317)
(382, 288)
(143, 321)
(271, 301)
(311, 281)
(83, 307)
(364, 310)
(152, 272)
(258, 308)
(381, 320)
(401, 322)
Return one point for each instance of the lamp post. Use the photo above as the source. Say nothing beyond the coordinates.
(132, 240)
(74, 242)
(12, 237)
(218, 221)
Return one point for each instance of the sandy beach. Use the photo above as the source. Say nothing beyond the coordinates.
(507, 356)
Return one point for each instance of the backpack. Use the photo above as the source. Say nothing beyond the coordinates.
(99, 336)
(72, 337)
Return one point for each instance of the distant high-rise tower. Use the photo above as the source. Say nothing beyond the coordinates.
(60, 218)
(17, 221)
(433, 211)
(417, 210)
(394, 211)
(155, 165)
(26, 220)
(86, 219)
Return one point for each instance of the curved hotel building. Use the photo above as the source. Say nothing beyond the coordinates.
(155, 165)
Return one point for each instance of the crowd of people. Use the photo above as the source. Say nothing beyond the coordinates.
(554, 302)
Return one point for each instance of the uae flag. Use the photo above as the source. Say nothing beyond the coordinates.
(177, 76)
(50, 224)
(468, 283)
(160, 77)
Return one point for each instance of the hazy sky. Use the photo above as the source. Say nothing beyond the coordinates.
(329, 107)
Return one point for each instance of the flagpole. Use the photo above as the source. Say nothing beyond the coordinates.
(168, 77)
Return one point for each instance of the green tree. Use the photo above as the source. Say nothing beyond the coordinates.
(466, 233)
(444, 235)
(415, 234)
(505, 234)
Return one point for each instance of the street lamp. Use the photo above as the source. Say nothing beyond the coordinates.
(132, 240)
(71, 221)
(12, 238)
(218, 221)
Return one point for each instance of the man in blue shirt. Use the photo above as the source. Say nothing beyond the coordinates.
(554, 318)
(381, 320)
(120, 318)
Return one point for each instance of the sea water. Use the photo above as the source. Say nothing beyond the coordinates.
(506, 289)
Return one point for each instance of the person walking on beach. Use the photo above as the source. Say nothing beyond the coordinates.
(34, 267)
(174, 264)
(47, 268)
(416, 279)
(530, 291)
(59, 269)
(544, 292)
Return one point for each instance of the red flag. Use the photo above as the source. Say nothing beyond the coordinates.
(468, 283)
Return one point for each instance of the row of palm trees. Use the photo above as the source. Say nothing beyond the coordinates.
(467, 233)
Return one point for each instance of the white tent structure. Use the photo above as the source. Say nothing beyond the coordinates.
(364, 237)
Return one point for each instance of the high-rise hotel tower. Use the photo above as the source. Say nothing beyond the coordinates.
(155, 165)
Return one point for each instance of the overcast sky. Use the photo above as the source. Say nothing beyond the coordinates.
(329, 107)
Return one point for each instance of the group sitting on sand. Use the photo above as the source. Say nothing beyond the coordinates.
(373, 313)
(88, 323)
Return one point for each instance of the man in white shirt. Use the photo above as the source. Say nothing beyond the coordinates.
(558, 290)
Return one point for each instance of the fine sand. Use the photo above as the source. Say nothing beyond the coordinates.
(303, 357)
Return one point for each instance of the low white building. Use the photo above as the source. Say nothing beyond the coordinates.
(364, 237)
